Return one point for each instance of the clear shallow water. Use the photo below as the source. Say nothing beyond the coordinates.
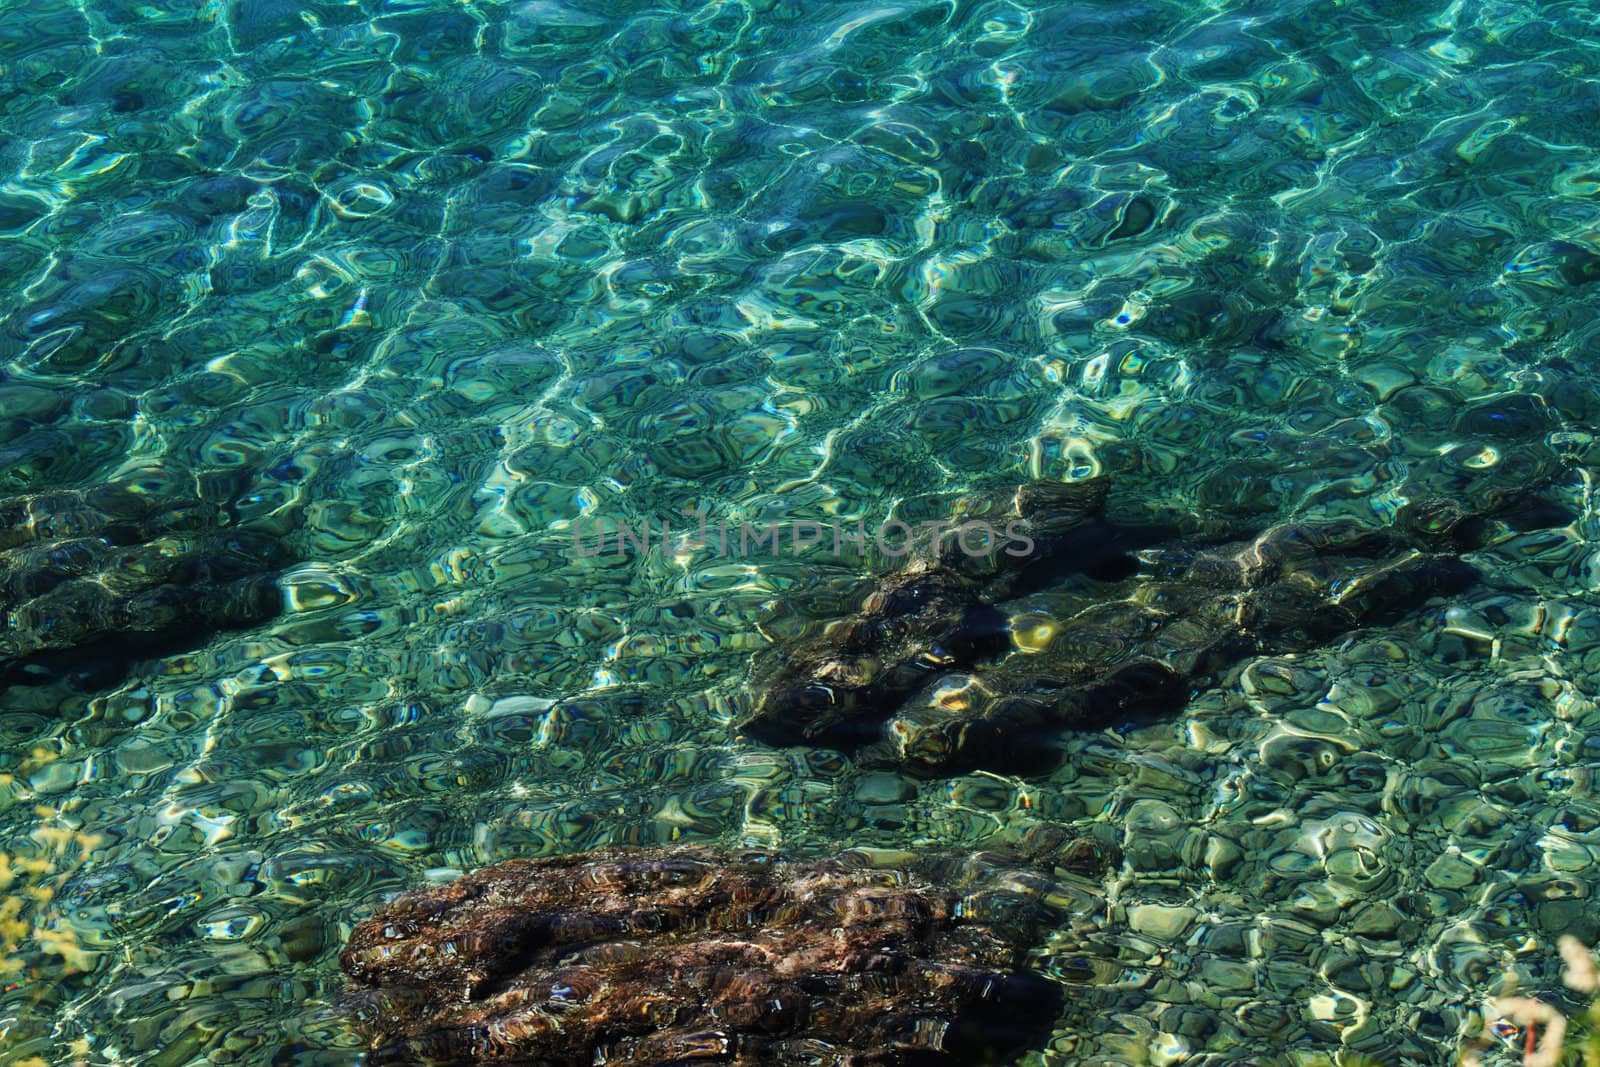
(447, 277)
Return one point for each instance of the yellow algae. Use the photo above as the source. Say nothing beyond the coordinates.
(38, 941)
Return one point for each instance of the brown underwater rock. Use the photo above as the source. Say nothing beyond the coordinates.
(690, 955)
(929, 673)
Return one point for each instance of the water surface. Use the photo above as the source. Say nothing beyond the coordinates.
(445, 277)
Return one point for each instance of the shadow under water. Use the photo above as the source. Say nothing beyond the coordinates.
(91, 580)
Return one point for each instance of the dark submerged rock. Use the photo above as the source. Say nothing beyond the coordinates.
(914, 623)
(91, 579)
(934, 615)
(699, 954)
(1142, 618)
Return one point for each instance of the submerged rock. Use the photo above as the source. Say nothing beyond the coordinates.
(91, 578)
(933, 615)
(701, 954)
(936, 672)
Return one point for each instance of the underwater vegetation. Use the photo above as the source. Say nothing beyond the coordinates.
(41, 946)
(1543, 1035)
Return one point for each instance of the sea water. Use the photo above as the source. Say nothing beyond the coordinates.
(446, 280)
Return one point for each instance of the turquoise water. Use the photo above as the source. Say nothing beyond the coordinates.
(442, 278)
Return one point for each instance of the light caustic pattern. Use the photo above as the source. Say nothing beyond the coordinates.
(443, 278)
